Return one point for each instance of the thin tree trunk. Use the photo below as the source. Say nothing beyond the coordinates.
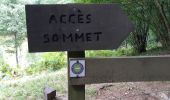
(165, 22)
(16, 50)
(161, 10)
(16, 55)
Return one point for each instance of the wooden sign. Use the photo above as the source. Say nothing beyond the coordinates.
(76, 27)
(124, 69)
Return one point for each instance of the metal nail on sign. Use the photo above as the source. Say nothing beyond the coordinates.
(76, 27)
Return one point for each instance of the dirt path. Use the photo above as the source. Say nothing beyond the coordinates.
(132, 91)
(128, 91)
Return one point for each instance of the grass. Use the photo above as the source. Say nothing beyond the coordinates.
(31, 87)
(110, 53)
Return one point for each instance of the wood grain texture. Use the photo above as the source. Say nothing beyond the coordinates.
(108, 26)
(125, 69)
(75, 92)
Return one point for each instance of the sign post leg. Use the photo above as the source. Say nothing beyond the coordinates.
(75, 92)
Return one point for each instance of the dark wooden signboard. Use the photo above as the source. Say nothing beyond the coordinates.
(76, 27)
(125, 69)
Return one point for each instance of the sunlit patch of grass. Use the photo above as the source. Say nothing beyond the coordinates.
(31, 87)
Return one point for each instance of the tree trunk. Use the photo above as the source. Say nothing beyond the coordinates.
(140, 37)
(165, 20)
(162, 12)
(16, 50)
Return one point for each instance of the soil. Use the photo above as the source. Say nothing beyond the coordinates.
(133, 91)
(129, 91)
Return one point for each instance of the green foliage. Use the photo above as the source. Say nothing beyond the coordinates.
(93, 1)
(5, 71)
(49, 61)
(4, 68)
(1, 56)
(12, 22)
(12, 25)
(153, 13)
(152, 41)
(159, 19)
(55, 1)
(110, 53)
(156, 51)
(146, 15)
(31, 88)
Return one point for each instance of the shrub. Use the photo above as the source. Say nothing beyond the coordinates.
(110, 53)
(49, 62)
(5, 71)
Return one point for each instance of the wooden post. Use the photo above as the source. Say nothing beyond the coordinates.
(49, 93)
(75, 92)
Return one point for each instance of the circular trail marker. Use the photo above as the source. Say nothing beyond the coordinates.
(77, 68)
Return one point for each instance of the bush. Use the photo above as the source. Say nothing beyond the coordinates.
(111, 53)
(49, 62)
(5, 71)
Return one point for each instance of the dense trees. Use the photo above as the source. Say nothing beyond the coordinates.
(148, 16)
(160, 20)
(12, 25)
